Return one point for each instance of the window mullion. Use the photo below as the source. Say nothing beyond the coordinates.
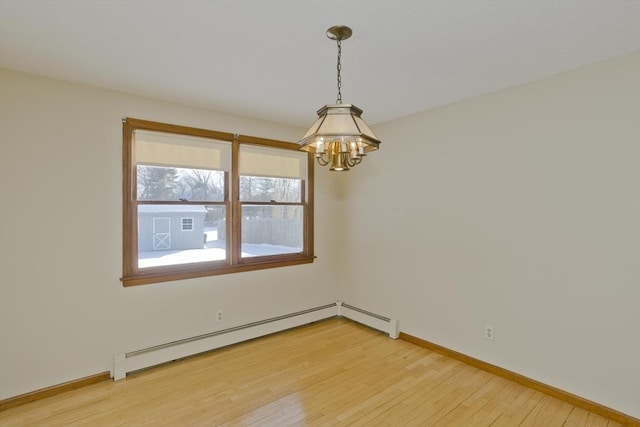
(228, 217)
(236, 209)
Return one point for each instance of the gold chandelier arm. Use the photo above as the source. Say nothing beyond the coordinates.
(354, 161)
(322, 158)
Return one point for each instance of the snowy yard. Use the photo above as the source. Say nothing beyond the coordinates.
(214, 250)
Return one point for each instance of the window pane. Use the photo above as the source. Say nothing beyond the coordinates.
(271, 230)
(180, 234)
(263, 189)
(172, 183)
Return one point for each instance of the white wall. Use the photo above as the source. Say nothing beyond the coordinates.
(63, 310)
(519, 209)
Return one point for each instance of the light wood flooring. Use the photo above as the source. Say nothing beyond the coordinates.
(334, 372)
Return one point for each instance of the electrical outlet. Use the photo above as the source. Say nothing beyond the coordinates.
(488, 332)
(219, 315)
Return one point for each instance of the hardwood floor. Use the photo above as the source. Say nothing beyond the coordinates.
(334, 372)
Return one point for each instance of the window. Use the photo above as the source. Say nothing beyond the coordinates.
(187, 225)
(200, 203)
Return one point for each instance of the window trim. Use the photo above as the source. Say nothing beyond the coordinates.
(132, 275)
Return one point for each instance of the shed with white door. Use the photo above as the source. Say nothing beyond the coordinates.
(170, 227)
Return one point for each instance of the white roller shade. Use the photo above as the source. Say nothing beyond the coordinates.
(272, 162)
(166, 149)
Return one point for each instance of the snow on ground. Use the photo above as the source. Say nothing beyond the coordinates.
(158, 258)
(214, 250)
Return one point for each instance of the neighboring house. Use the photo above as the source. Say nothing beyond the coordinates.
(170, 227)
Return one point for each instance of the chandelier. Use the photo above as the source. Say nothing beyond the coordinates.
(339, 136)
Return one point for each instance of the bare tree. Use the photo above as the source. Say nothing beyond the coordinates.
(157, 183)
(204, 184)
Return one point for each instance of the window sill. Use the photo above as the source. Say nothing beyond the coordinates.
(192, 272)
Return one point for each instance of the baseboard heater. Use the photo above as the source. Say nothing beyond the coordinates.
(124, 363)
(373, 320)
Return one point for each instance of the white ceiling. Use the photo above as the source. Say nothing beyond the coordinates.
(271, 59)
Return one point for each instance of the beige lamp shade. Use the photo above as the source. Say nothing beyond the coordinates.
(339, 123)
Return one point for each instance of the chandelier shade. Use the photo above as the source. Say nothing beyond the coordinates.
(339, 136)
(339, 123)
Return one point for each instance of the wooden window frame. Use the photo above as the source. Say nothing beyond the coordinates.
(133, 275)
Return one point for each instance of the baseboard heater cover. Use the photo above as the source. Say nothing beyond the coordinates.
(373, 320)
(124, 363)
